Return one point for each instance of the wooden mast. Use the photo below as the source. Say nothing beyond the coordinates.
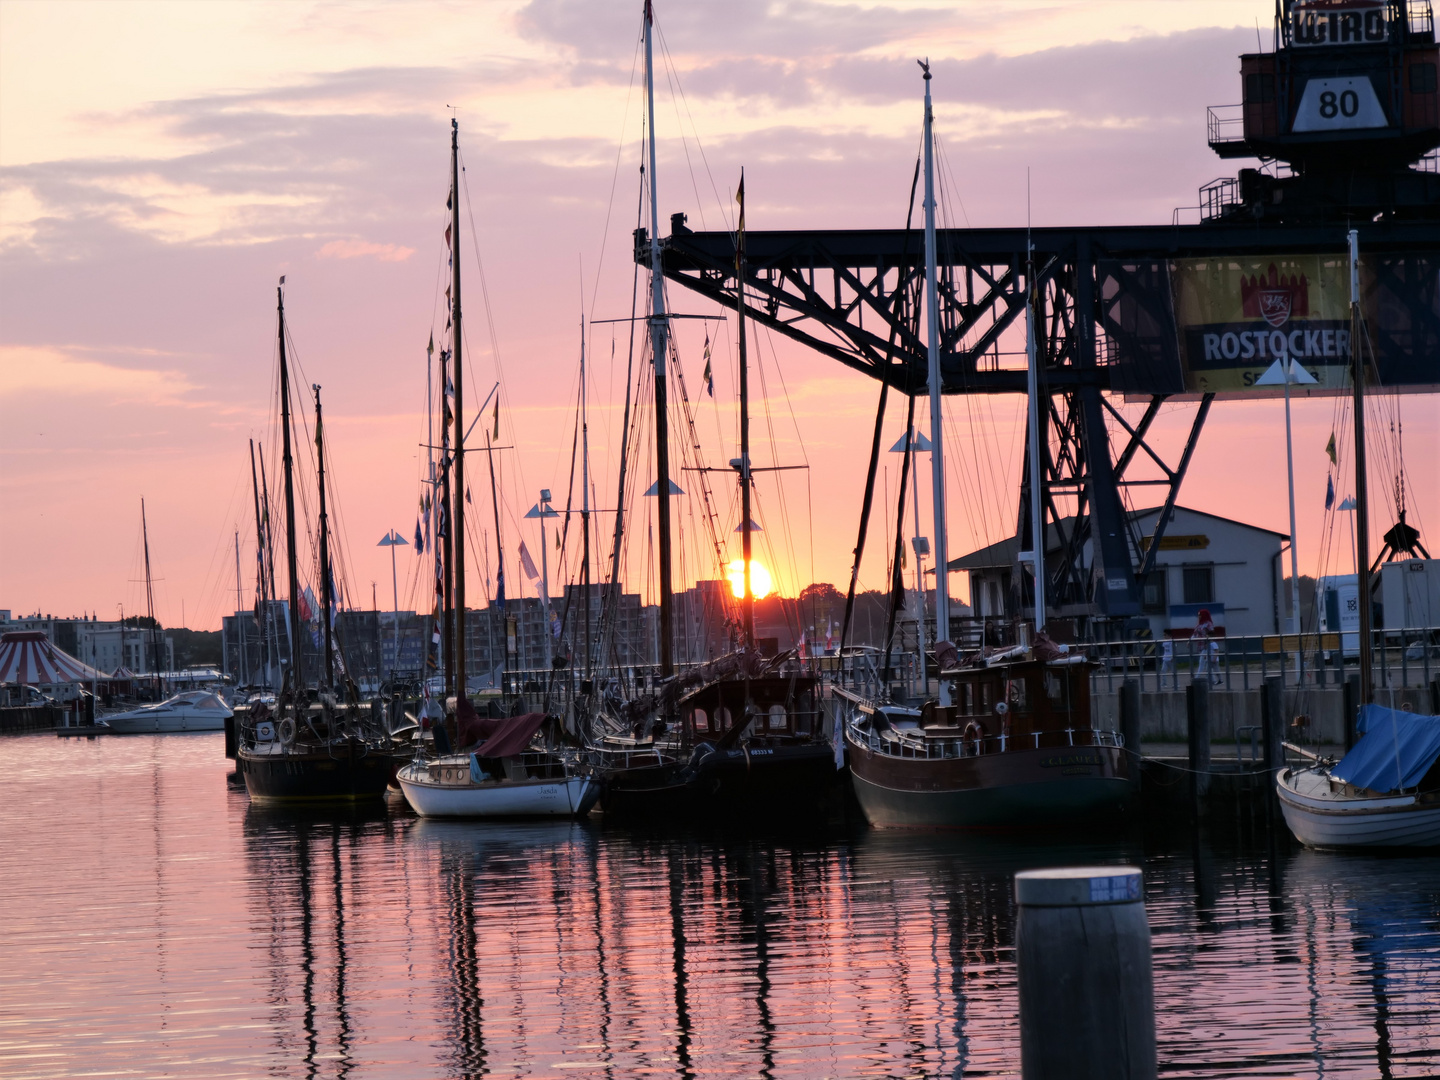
(458, 493)
(297, 667)
(327, 598)
(747, 601)
(150, 602)
(260, 562)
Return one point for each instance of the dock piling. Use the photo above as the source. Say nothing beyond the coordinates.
(1197, 701)
(1087, 995)
(1130, 727)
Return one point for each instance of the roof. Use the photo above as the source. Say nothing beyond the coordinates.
(1004, 553)
(29, 657)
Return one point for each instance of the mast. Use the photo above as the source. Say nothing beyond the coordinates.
(297, 667)
(150, 602)
(658, 328)
(239, 600)
(447, 521)
(1362, 503)
(937, 451)
(274, 643)
(326, 599)
(499, 543)
(459, 489)
(584, 493)
(260, 590)
(747, 601)
(1037, 468)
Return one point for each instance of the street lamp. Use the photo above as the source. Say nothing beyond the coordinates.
(392, 540)
(543, 510)
(1282, 374)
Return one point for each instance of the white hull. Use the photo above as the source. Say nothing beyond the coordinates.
(168, 724)
(570, 797)
(1323, 819)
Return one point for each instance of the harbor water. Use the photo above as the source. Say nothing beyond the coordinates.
(156, 924)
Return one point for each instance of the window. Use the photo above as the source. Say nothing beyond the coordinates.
(1154, 593)
(1199, 584)
(777, 718)
(701, 720)
(1016, 696)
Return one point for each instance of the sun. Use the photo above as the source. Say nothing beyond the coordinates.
(760, 583)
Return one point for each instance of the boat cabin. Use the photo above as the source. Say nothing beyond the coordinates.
(782, 709)
(1022, 706)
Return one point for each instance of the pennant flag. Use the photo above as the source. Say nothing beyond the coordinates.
(800, 649)
(708, 376)
(526, 563)
(500, 590)
(740, 230)
(557, 539)
(430, 348)
(468, 500)
(1330, 448)
(419, 539)
(1329, 492)
(497, 416)
(447, 236)
(449, 196)
(442, 522)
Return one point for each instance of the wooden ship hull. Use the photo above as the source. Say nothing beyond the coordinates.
(342, 772)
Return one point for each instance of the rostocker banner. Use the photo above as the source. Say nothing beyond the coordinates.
(1236, 316)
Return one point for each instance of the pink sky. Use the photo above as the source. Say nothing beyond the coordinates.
(162, 165)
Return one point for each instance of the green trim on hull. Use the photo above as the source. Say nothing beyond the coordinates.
(1008, 806)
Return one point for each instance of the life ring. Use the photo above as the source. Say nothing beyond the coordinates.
(287, 731)
(974, 734)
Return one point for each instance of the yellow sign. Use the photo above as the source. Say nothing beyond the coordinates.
(1237, 314)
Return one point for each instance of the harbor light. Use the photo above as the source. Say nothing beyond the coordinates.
(760, 583)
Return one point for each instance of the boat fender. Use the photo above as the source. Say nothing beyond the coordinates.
(287, 731)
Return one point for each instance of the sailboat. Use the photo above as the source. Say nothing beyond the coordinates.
(495, 769)
(310, 749)
(750, 733)
(1009, 740)
(1385, 792)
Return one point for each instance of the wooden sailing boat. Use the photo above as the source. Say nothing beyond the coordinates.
(498, 772)
(1009, 740)
(746, 734)
(310, 749)
(1385, 792)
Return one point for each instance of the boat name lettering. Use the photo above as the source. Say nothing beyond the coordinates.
(1062, 760)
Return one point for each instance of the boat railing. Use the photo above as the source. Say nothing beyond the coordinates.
(913, 743)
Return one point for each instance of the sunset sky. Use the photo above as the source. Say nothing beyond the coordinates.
(163, 164)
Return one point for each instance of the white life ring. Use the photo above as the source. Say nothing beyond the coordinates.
(287, 731)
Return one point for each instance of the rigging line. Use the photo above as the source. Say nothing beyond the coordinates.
(615, 177)
(672, 77)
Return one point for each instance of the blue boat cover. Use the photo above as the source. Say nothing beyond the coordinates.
(1395, 751)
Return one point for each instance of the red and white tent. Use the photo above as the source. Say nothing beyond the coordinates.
(29, 657)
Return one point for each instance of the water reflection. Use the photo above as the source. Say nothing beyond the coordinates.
(230, 941)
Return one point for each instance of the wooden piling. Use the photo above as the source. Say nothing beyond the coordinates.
(1197, 701)
(1130, 728)
(1087, 996)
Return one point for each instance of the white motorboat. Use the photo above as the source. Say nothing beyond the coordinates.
(503, 777)
(1384, 793)
(195, 710)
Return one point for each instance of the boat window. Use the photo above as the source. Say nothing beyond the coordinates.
(778, 720)
(1015, 695)
(700, 719)
(985, 696)
(722, 718)
(1056, 688)
(967, 697)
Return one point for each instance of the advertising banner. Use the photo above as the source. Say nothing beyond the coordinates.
(1237, 315)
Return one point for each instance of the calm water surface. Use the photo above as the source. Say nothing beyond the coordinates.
(155, 924)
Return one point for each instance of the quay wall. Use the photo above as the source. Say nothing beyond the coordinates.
(31, 718)
(1163, 716)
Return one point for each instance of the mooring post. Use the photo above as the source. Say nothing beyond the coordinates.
(1350, 703)
(1272, 719)
(1087, 995)
(1197, 701)
(1130, 728)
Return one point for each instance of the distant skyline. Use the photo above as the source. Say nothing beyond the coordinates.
(163, 164)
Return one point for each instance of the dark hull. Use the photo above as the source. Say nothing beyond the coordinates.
(727, 784)
(339, 774)
(1052, 787)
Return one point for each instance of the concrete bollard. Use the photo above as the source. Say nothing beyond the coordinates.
(1197, 701)
(1087, 995)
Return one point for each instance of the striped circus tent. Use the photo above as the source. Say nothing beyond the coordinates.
(30, 658)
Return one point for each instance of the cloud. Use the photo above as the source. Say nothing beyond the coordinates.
(360, 249)
(58, 369)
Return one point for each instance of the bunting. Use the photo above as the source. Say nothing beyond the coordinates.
(497, 416)
(419, 539)
(447, 236)
(526, 563)
(708, 376)
(1330, 448)
(1329, 492)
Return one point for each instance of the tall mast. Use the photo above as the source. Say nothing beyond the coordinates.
(658, 328)
(584, 493)
(459, 491)
(150, 601)
(297, 666)
(1362, 502)
(326, 599)
(1037, 466)
(239, 600)
(747, 601)
(260, 564)
(932, 313)
(447, 519)
(269, 560)
(499, 543)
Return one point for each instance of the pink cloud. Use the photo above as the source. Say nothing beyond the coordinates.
(360, 249)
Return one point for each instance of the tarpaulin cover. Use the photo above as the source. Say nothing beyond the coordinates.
(1395, 751)
(509, 736)
(28, 656)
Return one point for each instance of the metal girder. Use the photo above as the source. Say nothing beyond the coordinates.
(836, 291)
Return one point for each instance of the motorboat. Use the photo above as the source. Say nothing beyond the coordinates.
(505, 775)
(1384, 793)
(195, 710)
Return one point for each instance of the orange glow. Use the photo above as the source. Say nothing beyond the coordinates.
(760, 583)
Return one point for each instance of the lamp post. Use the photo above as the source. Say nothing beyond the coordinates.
(392, 540)
(1281, 373)
(543, 510)
(920, 544)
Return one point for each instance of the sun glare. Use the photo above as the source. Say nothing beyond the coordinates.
(760, 583)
